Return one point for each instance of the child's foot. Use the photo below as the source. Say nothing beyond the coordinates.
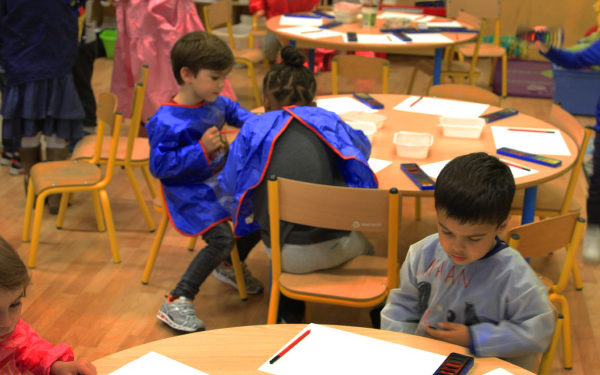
(180, 314)
(591, 244)
(224, 273)
(6, 158)
(15, 165)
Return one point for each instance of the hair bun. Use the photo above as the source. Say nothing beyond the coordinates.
(292, 56)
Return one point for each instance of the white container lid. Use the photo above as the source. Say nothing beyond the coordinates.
(374, 118)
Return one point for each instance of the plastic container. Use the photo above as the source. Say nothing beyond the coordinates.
(346, 12)
(576, 90)
(455, 127)
(367, 127)
(374, 118)
(109, 38)
(412, 145)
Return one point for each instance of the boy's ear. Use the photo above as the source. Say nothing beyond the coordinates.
(186, 74)
(502, 227)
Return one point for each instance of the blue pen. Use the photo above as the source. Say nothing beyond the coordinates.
(323, 14)
(303, 16)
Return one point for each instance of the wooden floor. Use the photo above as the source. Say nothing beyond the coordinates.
(78, 296)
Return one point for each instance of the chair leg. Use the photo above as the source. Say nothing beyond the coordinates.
(140, 199)
(28, 211)
(273, 304)
(577, 277)
(158, 238)
(504, 75)
(411, 82)
(110, 226)
(37, 223)
(307, 314)
(417, 208)
(239, 273)
(493, 63)
(252, 76)
(148, 177)
(98, 211)
(192, 243)
(548, 357)
(566, 339)
(62, 210)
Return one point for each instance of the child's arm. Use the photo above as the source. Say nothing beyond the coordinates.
(235, 115)
(82, 367)
(575, 60)
(400, 312)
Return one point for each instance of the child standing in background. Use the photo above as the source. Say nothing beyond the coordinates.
(187, 154)
(21, 349)
(463, 284)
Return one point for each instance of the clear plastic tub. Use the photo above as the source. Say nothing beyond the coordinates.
(374, 118)
(367, 127)
(412, 145)
(455, 127)
(346, 12)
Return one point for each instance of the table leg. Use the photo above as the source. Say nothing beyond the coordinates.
(437, 65)
(529, 205)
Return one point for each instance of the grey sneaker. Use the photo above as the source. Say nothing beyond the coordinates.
(226, 275)
(179, 314)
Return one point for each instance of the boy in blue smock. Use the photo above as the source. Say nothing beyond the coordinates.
(186, 154)
(463, 284)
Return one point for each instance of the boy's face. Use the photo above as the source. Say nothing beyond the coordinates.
(206, 84)
(466, 242)
(10, 310)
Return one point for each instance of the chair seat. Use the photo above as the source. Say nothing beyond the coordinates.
(549, 196)
(85, 148)
(458, 67)
(251, 54)
(485, 50)
(342, 282)
(63, 173)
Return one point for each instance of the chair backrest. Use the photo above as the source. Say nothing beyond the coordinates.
(217, 15)
(465, 92)
(137, 104)
(479, 24)
(487, 9)
(106, 107)
(355, 66)
(334, 207)
(548, 235)
(114, 144)
(581, 135)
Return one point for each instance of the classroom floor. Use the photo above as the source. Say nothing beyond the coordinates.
(78, 296)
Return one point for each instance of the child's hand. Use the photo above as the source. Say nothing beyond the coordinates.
(211, 139)
(260, 13)
(73, 368)
(454, 333)
(542, 47)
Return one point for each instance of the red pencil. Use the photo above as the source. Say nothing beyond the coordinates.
(531, 130)
(516, 166)
(416, 101)
(291, 345)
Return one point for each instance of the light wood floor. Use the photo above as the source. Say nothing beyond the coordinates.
(78, 296)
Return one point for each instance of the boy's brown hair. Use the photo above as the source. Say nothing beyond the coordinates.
(200, 50)
(13, 273)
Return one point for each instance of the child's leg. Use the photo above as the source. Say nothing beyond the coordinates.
(246, 244)
(219, 242)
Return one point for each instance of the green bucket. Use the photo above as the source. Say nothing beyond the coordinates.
(109, 37)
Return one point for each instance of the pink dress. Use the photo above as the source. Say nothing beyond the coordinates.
(24, 352)
(147, 31)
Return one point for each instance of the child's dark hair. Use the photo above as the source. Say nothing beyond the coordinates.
(475, 188)
(290, 82)
(200, 50)
(13, 273)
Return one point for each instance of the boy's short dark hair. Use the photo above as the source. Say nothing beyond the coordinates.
(475, 188)
(200, 50)
(13, 273)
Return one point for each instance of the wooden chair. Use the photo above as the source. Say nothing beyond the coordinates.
(456, 70)
(542, 238)
(159, 206)
(363, 281)
(219, 14)
(133, 152)
(490, 10)
(69, 176)
(465, 92)
(355, 66)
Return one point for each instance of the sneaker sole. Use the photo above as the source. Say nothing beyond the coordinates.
(226, 280)
(5, 162)
(165, 319)
(16, 172)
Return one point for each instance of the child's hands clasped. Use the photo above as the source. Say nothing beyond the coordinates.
(81, 366)
(454, 333)
(211, 139)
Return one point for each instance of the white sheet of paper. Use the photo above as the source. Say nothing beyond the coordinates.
(518, 170)
(300, 21)
(376, 39)
(343, 104)
(531, 142)
(445, 24)
(332, 351)
(378, 164)
(156, 364)
(499, 371)
(433, 169)
(428, 38)
(310, 32)
(442, 107)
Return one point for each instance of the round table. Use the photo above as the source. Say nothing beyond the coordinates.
(338, 42)
(242, 350)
